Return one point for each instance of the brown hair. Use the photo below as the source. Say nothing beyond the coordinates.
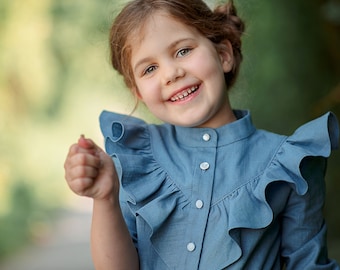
(218, 25)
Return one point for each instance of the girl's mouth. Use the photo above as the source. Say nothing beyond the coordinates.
(182, 95)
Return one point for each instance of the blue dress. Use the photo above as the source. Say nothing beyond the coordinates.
(234, 197)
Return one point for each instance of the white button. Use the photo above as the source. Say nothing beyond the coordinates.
(199, 204)
(204, 166)
(191, 247)
(206, 137)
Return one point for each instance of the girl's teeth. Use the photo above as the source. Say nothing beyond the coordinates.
(184, 94)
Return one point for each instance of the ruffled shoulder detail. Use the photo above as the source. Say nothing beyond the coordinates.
(124, 129)
(151, 194)
(127, 141)
(314, 139)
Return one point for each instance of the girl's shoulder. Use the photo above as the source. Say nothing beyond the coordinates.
(117, 126)
(127, 140)
(318, 131)
(317, 137)
(125, 133)
(296, 154)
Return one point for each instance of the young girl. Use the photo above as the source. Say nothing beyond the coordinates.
(205, 190)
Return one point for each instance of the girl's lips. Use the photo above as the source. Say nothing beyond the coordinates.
(183, 94)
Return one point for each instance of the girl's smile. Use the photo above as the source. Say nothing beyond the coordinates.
(179, 73)
(185, 94)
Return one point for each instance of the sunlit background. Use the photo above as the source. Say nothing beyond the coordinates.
(55, 79)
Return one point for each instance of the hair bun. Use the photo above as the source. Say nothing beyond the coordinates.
(229, 13)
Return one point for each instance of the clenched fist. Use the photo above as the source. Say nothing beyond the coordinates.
(90, 172)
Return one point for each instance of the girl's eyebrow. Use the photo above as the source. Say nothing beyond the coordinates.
(172, 45)
(141, 62)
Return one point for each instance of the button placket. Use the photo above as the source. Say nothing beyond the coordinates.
(201, 195)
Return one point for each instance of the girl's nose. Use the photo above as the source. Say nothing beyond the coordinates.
(172, 73)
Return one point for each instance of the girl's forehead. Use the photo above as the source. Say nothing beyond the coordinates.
(155, 22)
(137, 35)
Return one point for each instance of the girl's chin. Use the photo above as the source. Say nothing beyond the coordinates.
(189, 123)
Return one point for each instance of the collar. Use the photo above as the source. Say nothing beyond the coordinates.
(215, 137)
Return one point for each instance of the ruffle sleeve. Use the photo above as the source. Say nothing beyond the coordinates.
(127, 140)
(302, 162)
(314, 139)
(279, 193)
(299, 161)
(147, 192)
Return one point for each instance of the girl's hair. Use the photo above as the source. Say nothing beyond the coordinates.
(218, 25)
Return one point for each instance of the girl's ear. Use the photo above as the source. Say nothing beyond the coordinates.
(225, 51)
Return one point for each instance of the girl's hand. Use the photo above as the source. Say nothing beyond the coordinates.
(90, 172)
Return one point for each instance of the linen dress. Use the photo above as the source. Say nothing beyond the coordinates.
(234, 197)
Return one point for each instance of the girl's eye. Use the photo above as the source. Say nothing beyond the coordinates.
(183, 52)
(149, 70)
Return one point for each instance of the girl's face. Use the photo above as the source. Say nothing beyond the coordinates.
(179, 74)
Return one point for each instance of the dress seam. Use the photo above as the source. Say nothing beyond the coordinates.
(253, 179)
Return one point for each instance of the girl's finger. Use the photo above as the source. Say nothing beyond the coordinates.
(85, 143)
(81, 185)
(85, 159)
(82, 172)
(82, 159)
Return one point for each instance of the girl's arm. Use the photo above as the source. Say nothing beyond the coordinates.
(304, 244)
(112, 246)
(90, 172)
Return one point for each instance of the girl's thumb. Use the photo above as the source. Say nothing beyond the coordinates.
(85, 143)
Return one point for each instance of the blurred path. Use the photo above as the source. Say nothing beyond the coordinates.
(67, 247)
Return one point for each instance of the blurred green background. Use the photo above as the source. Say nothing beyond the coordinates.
(55, 79)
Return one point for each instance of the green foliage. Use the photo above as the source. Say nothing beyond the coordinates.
(16, 224)
(287, 67)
